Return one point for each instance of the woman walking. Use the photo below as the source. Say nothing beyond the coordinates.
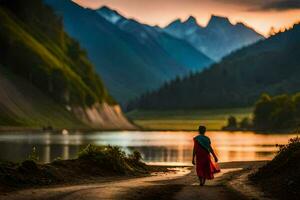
(202, 149)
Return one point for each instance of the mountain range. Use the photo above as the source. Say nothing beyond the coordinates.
(270, 66)
(153, 37)
(132, 61)
(131, 57)
(219, 32)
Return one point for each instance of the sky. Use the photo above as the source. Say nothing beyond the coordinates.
(258, 14)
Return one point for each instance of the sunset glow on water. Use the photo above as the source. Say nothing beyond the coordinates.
(164, 148)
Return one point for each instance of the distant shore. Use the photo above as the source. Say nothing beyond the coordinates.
(86, 130)
(57, 130)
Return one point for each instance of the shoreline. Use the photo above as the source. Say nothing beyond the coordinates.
(104, 175)
(150, 170)
(58, 130)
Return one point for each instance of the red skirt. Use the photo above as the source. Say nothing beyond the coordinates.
(204, 166)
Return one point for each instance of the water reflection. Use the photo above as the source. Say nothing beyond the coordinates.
(156, 147)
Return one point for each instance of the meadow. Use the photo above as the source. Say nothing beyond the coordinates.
(188, 120)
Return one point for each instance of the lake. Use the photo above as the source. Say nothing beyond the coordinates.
(164, 148)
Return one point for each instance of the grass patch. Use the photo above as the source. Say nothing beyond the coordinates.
(214, 119)
(23, 105)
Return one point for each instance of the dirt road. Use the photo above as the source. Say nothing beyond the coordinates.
(179, 184)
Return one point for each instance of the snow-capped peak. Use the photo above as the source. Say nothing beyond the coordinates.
(109, 14)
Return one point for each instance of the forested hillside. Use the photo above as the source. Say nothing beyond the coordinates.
(280, 112)
(35, 46)
(271, 66)
(35, 51)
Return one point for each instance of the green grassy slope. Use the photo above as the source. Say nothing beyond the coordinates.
(43, 72)
(213, 119)
(46, 56)
(23, 105)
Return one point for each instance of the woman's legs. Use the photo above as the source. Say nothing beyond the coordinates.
(201, 180)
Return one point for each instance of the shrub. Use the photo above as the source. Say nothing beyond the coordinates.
(286, 150)
(282, 173)
(33, 156)
(91, 152)
(245, 123)
(286, 161)
(112, 158)
(136, 156)
(231, 124)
